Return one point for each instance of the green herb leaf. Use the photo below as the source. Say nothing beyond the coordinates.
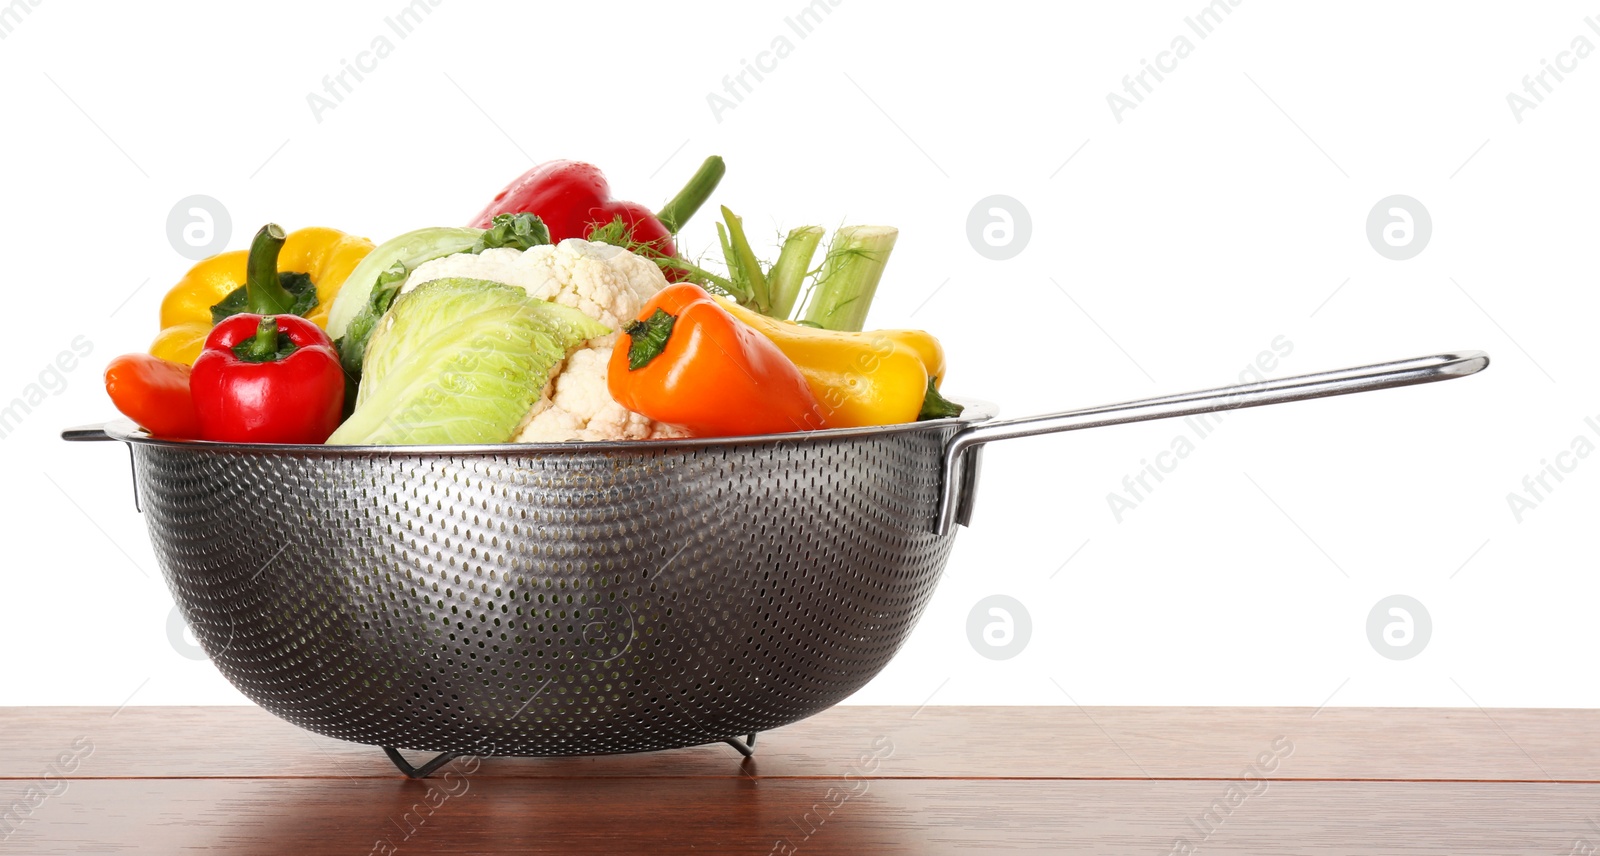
(699, 276)
(513, 231)
(297, 284)
(616, 233)
(649, 338)
(936, 406)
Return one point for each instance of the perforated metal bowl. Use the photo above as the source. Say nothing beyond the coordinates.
(585, 598)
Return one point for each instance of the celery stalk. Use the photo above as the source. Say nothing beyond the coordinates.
(849, 278)
(789, 272)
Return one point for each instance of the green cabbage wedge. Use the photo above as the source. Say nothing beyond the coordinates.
(459, 361)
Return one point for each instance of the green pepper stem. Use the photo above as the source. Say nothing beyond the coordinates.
(680, 208)
(936, 406)
(265, 295)
(264, 344)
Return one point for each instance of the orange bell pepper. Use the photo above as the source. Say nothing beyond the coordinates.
(686, 361)
(154, 393)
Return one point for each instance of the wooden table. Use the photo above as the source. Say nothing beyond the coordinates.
(855, 780)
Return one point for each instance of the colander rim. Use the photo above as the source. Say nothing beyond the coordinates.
(977, 411)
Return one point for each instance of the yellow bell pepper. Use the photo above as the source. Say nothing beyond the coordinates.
(879, 377)
(324, 255)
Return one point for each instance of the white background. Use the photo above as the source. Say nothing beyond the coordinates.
(1225, 210)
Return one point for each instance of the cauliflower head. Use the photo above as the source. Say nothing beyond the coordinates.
(606, 283)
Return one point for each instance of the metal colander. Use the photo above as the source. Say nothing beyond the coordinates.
(585, 598)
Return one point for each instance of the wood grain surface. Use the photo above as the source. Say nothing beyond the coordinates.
(856, 780)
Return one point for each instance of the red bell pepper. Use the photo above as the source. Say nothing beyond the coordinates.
(268, 379)
(573, 199)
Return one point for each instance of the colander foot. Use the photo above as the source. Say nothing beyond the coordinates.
(423, 771)
(746, 747)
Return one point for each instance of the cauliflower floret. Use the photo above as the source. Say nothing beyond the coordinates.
(609, 284)
(580, 407)
(604, 282)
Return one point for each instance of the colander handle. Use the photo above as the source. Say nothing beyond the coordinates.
(99, 434)
(86, 434)
(960, 456)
